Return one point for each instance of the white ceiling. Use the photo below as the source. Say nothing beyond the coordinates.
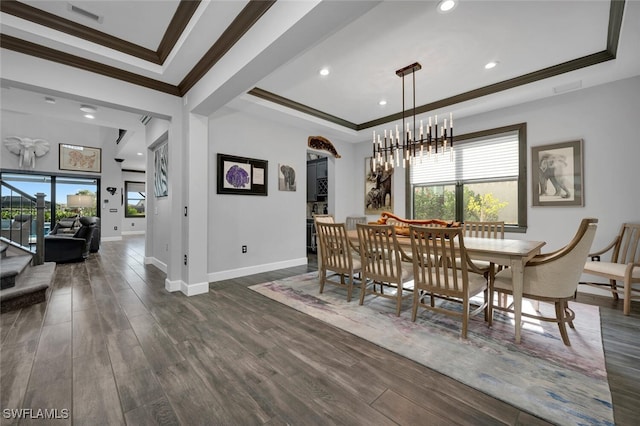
(523, 36)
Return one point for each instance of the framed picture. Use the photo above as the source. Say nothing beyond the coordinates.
(286, 178)
(161, 170)
(240, 175)
(557, 174)
(378, 185)
(80, 158)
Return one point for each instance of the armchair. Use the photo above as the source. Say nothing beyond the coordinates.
(61, 249)
(624, 265)
(551, 277)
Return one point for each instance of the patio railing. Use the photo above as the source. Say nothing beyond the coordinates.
(23, 220)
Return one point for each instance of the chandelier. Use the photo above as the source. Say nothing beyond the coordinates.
(429, 140)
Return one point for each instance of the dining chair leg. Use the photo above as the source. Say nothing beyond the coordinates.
(363, 288)
(399, 301)
(465, 317)
(416, 300)
(614, 291)
(323, 278)
(561, 316)
(627, 297)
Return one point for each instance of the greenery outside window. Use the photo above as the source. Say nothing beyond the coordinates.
(135, 199)
(484, 181)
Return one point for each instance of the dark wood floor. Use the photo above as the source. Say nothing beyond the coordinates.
(113, 347)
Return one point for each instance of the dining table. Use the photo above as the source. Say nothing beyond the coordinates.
(507, 252)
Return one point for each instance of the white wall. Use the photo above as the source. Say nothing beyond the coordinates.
(272, 227)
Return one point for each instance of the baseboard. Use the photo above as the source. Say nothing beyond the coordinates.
(257, 269)
(172, 286)
(111, 238)
(155, 262)
(186, 289)
(194, 289)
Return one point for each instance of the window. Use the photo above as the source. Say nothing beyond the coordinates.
(484, 181)
(136, 199)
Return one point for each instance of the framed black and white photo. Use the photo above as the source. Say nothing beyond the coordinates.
(557, 174)
(286, 178)
(241, 175)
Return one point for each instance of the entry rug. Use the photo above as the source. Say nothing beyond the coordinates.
(563, 385)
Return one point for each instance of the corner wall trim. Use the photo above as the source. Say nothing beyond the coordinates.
(194, 289)
(250, 270)
(172, 286)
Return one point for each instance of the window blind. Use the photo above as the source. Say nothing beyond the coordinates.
(494, 157)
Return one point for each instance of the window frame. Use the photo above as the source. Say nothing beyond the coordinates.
(521, 128)
(126, 199)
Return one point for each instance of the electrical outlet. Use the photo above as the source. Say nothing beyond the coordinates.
(115, 228)
(244, 249)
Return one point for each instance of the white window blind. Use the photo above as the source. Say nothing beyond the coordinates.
(494, 157)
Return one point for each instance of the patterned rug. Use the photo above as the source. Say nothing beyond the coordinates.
(563, 385)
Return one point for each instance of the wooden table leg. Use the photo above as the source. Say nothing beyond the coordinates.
(517, 276)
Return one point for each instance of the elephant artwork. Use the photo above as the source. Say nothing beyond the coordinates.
(286, 178)
(378, 185)
(553, 169)
(27, 149)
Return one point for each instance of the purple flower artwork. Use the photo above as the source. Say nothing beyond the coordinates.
(237, 177)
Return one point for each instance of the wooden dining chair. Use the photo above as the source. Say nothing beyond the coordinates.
(622, 267)
(437, 277)
(484, 229)
(384, 264)
(320, 218)
(551, 277)
(337, 256)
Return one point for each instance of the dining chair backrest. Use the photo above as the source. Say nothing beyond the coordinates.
(433, 249)
(353, 220)
(335, 248)
(627, 249)
(484, 229)
(380, 254)
(556, 274)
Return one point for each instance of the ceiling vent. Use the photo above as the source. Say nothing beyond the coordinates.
(145, 119)
(85, 13)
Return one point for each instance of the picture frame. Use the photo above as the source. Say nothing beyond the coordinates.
(557, 175)
(286, 178)
(241, 175)
(80, 158)
(161, 170)
(378, 188)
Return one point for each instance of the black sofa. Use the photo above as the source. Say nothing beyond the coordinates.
(62, 248)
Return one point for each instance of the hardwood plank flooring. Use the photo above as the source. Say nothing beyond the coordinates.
(113, 347)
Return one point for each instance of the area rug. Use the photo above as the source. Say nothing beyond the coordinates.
(563, 385)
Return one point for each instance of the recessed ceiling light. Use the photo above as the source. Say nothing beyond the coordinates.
(49, 100)
(447, 5)
(382, 103)
(490, 65)
(139, 153)
(89, 116)
(88, 109)
(324, 71)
